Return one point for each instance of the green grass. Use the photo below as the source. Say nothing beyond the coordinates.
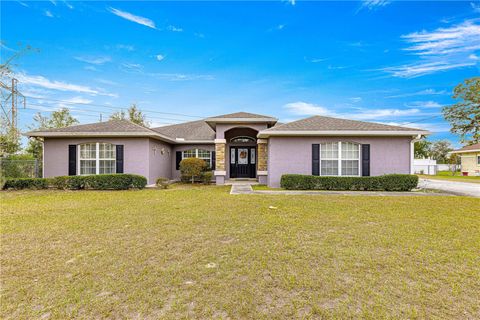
(447, 175)
(198, 252)
(264, 187)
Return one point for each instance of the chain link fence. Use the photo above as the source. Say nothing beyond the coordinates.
(10, 168)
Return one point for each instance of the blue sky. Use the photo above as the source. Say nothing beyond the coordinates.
(391, 62)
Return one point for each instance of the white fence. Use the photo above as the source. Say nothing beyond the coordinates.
(430, 167)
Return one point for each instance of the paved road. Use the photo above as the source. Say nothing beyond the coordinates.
(460, 188)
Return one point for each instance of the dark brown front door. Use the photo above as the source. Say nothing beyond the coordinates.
(242, 162)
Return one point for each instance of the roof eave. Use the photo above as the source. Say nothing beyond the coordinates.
(465, 151)
(99, 135)
(313, 133)
(213, 121)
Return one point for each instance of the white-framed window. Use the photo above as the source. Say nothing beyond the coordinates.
(96, 158)
(199, 153)
(242, 139)
(478, 160)
(339, 159)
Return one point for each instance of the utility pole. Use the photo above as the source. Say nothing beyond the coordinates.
(9, 104)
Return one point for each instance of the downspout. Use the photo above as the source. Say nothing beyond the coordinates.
(412, 151)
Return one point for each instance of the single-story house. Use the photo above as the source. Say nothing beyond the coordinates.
(237, 145)
(470, 159)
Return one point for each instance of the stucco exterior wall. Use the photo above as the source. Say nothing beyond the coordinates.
(222, 127)
(294, 155)
(55, 161)
(160, 160)
(176, 173)
(470, 163)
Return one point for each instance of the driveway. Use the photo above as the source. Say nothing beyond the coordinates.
(455, 187)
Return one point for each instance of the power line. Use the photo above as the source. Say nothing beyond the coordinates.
(420, 120)
(115, 108)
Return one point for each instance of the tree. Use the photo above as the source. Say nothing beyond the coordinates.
(192, 168)
(58, 119)
(133, 114)
(464, 116)
(440, 150)
(422, 149)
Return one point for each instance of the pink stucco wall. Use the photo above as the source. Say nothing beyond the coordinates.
(294, 155)
(139, 157)
(160, 158)
(182, 147)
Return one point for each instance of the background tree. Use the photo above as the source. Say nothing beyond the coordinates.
(58, 119)
(422, 149)
(440, 150)
(133, 114)
(464, 116)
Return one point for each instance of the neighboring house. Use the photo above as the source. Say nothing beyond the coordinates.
(237, 145)
(470, 156)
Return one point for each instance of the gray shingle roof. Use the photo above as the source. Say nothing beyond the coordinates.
(320, 123)
(194, 130)
(100, 127)
(241, 115)
(469, 148)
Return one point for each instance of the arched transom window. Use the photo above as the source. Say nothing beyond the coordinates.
(199, 153)
(242, 139)
(97, 158)
(339, 158)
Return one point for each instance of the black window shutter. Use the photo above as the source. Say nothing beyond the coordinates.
(178, 158)
(72, 159)
(214, 164)
(315, 159)
(365, 160)
(119, 150)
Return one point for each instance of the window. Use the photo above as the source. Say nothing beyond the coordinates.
(199, 153)
(478, 160)
(339, 158)
(97, 158)
(329, 159)
(242, 139)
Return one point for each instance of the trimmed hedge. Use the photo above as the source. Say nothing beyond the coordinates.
(389, 182)
(26, 183)
(93, 182)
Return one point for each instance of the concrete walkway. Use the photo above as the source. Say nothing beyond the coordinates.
(455, 187)
(246, 188)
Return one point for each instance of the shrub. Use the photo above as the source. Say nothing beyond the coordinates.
(26, 183)
(95, 182)
(192, 168)
(392, 182)
(68, 182)
(115, 182)
(206, 177)
(163, 183)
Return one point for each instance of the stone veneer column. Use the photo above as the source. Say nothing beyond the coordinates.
(262, 170)
(220, 171)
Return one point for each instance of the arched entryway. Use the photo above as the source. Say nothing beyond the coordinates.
(241, 145)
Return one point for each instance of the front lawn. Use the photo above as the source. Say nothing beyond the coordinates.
(447, 175)
(203, 253)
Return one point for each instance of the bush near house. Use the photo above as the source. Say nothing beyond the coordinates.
(390, 182)
(195, 170)
(162, 183)
(93, 182)
(26, 183)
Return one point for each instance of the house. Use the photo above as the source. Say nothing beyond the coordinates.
(470, 159)
(237, 145)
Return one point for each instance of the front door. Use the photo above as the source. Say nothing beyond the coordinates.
(242, 162)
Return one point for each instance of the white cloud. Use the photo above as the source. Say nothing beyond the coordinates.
(131, 17)
(93, 60)
(174, 29)
(160, 57)
(309, 109)
(23, 4)
(126, 47)
(424, 104)
(199, 35)
(440, 50)
(291, 2)
(131, 67)
(355, 99)
(280, 26)
(473, 57)
(421, 69)
(374, 4)
(317, 60)
(419, 93)
(40, 81)
(138, 68)
(107, 82)
(90, 68)
(69, 6)
(48, 13)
